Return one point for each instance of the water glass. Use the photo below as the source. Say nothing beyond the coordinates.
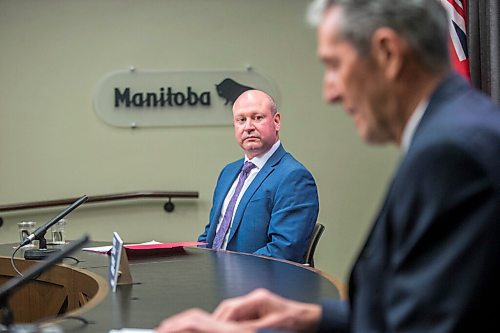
(57, 233)
(26, 228)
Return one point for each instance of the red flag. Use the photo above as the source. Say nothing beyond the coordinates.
(458, 35)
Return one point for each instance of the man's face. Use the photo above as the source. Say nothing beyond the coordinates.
(352, 80)
(255, 127)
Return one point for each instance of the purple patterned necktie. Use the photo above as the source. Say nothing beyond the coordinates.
(228, 215)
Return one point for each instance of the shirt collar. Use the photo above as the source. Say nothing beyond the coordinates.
(261, 160)
(412, 124)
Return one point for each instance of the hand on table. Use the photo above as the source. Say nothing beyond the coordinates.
(246, 314)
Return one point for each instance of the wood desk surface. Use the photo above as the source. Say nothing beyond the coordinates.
(166, 285)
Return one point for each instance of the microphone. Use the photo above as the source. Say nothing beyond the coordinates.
(39, 233)
(8, 287)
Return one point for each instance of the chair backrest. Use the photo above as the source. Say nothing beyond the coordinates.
(316, 235)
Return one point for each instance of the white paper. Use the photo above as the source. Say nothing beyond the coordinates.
(105, 249)
(99, 249)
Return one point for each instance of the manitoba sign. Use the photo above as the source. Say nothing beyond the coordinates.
(150, 98)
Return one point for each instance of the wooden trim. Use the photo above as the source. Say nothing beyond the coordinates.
(100, 288)
(101, 198)
(336, 282)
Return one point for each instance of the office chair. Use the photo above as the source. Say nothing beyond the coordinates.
(316, 235)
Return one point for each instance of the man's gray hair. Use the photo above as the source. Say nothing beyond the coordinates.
(274, 107)
(422, 23)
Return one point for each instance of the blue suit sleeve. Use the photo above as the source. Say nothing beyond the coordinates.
(293, 216)
(204, 236)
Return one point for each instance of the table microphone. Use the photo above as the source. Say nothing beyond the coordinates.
(39, 233)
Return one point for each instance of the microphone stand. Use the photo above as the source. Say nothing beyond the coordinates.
(42, 252)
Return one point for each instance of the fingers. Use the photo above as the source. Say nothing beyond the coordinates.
(300, 317)
(258, 309)
(242, 308)
(199, 321)
(188, 321)
(263, 309)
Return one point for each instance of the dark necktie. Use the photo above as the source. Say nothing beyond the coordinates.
(228, 215)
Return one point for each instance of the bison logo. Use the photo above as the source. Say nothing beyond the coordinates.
(230, 90)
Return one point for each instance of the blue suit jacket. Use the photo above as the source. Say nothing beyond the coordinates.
(276, 214)
(431, 261)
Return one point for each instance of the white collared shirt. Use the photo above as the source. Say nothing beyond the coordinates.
(412, 124)
(259, 162)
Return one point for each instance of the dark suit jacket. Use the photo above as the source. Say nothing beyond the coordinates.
(431, 263)
(277, 212)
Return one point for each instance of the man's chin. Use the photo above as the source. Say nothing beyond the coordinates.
(252, 145)
(373, 138)
(252, 150)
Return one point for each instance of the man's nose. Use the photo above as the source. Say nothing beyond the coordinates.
(332, 92)
(249, 125)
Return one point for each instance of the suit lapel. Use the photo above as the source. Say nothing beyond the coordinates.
(267, 169)
(367, 249)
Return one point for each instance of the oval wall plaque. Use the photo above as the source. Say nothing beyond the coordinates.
(147, 98)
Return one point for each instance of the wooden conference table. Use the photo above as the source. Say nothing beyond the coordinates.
(163, 285)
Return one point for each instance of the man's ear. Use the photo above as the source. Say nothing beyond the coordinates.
(277, 121)
(388, 50)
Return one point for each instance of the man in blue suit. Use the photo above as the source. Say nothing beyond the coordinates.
(272, 211)
(431, 260)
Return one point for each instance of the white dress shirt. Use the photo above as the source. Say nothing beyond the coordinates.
(412, 124)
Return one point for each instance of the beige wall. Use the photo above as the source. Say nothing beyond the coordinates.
(52, 144)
